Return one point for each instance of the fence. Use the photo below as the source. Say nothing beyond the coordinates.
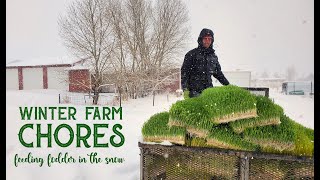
(87, 99)
(180, 162)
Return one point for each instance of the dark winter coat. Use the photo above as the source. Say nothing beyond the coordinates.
(198, 66)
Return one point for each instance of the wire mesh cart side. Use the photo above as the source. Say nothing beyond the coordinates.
(160, 162)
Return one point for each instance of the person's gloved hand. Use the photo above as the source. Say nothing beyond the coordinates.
(186, 94)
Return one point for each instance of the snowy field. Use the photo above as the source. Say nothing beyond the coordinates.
(298, 107)
(135, 113)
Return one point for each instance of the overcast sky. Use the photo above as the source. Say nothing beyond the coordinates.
(256, 35)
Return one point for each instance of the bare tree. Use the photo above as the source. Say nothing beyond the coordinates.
(114, 12)
(170, 31)
(138, 29)
(86, 31)
(155, 35)
(143, 37)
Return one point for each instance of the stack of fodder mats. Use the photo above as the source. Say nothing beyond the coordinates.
(230, 117)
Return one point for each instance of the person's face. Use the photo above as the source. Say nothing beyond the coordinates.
(206, 41)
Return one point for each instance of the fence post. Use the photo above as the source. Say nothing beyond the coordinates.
(244, 168)
(141, 163)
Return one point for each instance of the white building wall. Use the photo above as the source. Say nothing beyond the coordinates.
(238, 78)
(57, 78)
(12, 79)
(32, 78)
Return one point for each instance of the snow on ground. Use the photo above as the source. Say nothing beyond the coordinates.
(135, 113)
(299, 108)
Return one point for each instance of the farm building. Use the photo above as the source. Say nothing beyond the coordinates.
(50, 73)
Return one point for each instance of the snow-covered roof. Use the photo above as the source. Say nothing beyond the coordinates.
(77, 67)
(43, 61)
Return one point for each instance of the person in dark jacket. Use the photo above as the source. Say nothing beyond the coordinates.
(200, 64)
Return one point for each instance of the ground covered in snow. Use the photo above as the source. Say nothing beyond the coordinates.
(135, 113)
(298, 107)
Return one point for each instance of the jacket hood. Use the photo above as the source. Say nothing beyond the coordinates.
(204, 32)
